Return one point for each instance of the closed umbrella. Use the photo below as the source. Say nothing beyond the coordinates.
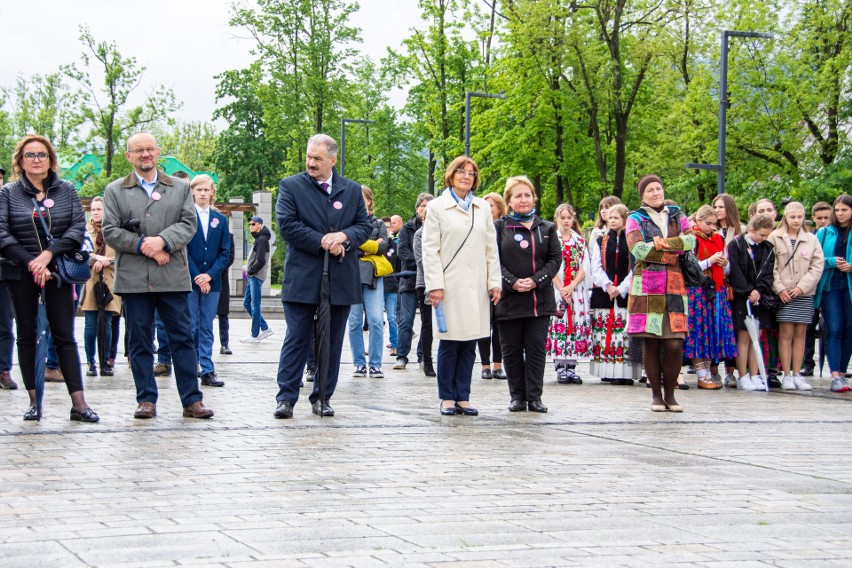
(823, 334)
(40, 351)
(322, 332)
(753, 327)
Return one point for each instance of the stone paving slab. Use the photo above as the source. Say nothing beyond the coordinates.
(739, 479)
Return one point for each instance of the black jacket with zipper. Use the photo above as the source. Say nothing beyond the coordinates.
(539, 259)
(21, 234)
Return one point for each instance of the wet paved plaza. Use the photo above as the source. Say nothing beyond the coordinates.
(740, 479)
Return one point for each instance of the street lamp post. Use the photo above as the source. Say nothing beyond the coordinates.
(343, 138)
(719, 167)
(467, 96)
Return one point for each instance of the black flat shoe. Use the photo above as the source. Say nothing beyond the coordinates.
(447, 410)
(466, 410)
(92, 370)
(31, 413)
(500, 374)
(517, 406)
(537, 406)
(224, 350)
(487, 374)
(87, 415)
(107, 372)
(284, 410)
(683, 386)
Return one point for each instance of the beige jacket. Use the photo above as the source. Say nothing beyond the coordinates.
(89, 303)
(468, 278)
(804, 270)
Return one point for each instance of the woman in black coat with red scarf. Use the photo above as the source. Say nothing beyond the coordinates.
(24, 241)
(530, 256)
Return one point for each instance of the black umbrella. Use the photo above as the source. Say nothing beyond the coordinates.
(41, 351)
(823, 335)
(103, 297)
(322, 331)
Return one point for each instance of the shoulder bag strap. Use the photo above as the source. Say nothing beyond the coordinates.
(43, 222)
(469, 231)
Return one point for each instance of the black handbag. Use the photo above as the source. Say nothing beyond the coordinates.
(72, 267)
(694, 277)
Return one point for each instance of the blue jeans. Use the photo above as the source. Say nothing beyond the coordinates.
(251, 302)
(298, 342)
(202, 308)
(455, 365)
(374, 303)
(164, 351)
(139, 312)
(90, 334)
(390, 310)
(407, 308)
(7, 333)
(837, 309)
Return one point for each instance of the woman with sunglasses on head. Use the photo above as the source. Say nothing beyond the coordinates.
(834, 293)
(462, 274)
(39, 194)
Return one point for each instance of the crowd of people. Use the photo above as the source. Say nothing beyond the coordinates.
(642, 296)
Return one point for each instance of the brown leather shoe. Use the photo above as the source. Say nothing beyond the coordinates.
(708, 385)
(197, 410)
(162, 370)
(6, 381)
(145, 410)
(53, 376)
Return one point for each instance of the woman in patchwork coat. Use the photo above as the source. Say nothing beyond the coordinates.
(657, 236)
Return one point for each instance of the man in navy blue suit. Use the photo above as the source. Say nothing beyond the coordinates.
(317, 211)
(207, 257)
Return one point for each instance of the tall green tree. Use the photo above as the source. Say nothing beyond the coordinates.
(105, 102)
(193, 143)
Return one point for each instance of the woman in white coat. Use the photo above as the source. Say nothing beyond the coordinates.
(462, 273)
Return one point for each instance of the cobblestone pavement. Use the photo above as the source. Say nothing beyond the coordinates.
(740, 479)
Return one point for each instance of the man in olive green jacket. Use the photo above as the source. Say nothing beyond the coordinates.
(149, 218)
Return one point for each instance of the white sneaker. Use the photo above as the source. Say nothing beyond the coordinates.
(730, 382)
(250, 339)
(801, 384)
(758, 382)
(788, 383)
(745, 383)
(264, 333)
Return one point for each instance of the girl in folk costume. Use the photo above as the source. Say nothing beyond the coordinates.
(611, 275)
(569, 336)
(711, 330)
(601, 227)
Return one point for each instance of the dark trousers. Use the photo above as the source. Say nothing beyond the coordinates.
(59, 306)
(7, 333)
(299, 341)
(838, 328)
(224, 329)
(487, 343)
(810, 343)
(455, 365)
(425, 325)
(173, 308)
(524, 355)
(116, 327)
(164, 350)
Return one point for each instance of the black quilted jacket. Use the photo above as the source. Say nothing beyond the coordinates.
(19, 239)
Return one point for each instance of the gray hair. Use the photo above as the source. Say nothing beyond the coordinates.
(424, 197)
(327, 141)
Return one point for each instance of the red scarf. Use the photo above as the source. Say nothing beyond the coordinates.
(708, 245)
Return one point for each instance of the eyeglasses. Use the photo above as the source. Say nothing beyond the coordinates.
(140, 151)
(252, 224)
(36, 155)
(465, 173)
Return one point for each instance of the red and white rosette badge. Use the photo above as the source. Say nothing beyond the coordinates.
(156, 196)
(338, 205)
(214, 223)
(48, 203)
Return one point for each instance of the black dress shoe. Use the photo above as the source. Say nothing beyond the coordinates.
(466, 410)
(31, 413)
(487, 374)
(92, 370)
(429, 369)
(447, 410)
(225, 350)
(537, 406)
(87, 415)
(322, 410)
(107, 371)
(211, 380)
(500, 374)
(807, 372)
(517, 406)
(284, 409)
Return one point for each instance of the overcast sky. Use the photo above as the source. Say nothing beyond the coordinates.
(182, 43)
